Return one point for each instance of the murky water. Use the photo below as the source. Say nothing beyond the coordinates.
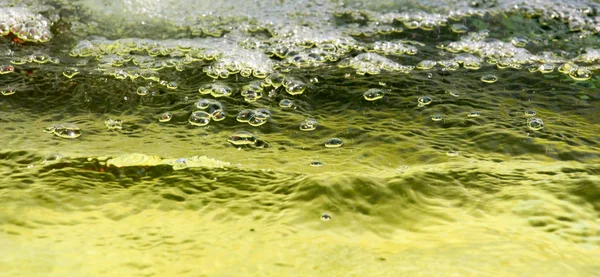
(300, 138)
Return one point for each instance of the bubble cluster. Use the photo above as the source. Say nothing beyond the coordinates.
(5, 69)
(24, 24)
(112, 124)
(65, 130)
(206, 109)
(252, 91)
(216, 90)
(373, 64)
(255, 117)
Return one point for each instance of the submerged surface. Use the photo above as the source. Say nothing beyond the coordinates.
(299, 138)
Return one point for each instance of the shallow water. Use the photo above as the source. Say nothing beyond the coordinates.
(445, 175)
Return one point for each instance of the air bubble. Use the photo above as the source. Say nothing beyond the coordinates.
(199, 118)
(240, 138)
(5, 69)
(142, 91)
(286, 103)
(113, 124)
(316, 163)
(373, 94)
(244, 115)
(436, 117)
(546, 68)
(459, 28)
(452, 153)
(535, 124)
(295, 87)
(453, 93)
(333, 143)
(70, 72)
(65, 130)
(424, 101)
(474, 114)
(165, 117)
(426, 64)
(216, 90)
(7, 91)
(309, 124)
(530, 113)
(325, 217)
(489, 78)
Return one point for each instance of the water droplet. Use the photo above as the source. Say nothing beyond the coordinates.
(333, 143)
(530, 113)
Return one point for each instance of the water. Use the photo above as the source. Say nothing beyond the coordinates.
(467, 146)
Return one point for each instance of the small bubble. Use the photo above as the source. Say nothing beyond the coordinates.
(333, 143)
(535, 124)
(286, 103)
(436, 117)
(452, 153)
(453, 93)
(474, 114)
(70, 72)
(8, 91)
(309, 124)
(172, 85)
(530, 113)
(316, 163)
(373, 94)
(325, 217)
(426, 64)
(424, 101)
(459, 28)
(165, 117)
(489, 78)
(142, 91)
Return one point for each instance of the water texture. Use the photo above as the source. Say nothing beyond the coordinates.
(299, 138)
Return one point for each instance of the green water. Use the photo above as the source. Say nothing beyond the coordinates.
(419, 187)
